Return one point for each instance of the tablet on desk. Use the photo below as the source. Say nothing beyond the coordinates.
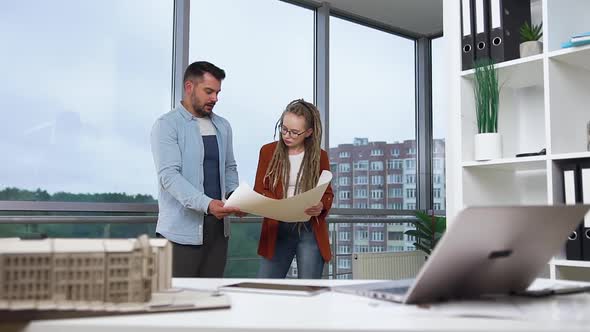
(270, 288)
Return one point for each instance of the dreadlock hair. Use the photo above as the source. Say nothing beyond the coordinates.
(279, 166)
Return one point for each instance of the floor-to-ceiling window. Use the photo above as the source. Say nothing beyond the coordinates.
(372, 133)
(85, 80)
(372, 117)
(266, 48)
(82, 82)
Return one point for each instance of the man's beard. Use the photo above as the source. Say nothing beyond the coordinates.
(199, 110)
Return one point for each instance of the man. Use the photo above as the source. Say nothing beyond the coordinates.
(193, 154)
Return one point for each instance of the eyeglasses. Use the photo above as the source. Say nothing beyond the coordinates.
(292, 133)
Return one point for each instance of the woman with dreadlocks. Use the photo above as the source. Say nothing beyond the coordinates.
(287, 167)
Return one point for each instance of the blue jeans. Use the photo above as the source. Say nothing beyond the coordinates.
(294, 241)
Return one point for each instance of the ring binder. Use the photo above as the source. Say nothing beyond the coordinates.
(573, 246)
(482, 29)
(585, 183)
(506, 18)
(467, 33)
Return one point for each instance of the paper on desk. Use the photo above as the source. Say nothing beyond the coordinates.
(287, 210)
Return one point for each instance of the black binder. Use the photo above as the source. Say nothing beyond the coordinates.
(584, 169)
(482, 29)
(506, 18)
(573, 248)
(467, 33)
(571, 191)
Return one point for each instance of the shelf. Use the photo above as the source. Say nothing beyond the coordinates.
(570, 263)
(569, 99)
(517, 73)
(507, 181)
(543, 104)
(511, 164)
(575, 56)
(573, 155)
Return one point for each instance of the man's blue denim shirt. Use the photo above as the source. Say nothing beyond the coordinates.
(177, 148)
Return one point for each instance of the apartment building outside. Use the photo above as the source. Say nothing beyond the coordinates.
(379, 175)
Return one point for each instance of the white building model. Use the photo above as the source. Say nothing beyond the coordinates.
(62, 271)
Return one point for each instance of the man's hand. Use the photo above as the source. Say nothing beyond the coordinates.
(315, 210)
(240, 214)
(217, 208)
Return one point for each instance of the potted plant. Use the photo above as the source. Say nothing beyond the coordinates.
(429, 230)
(488, 142)
(530, 35)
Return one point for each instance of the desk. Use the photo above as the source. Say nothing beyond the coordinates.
(324, 312)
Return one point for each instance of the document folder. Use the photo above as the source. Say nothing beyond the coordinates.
(482, 30)
(506, 18)
(585, 183)
(467, 33)
(573, 246)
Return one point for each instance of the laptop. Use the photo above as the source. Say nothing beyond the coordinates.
(485, 250)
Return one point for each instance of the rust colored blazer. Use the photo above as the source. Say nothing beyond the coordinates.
(270, 227)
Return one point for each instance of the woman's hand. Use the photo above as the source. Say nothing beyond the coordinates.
(315, 210)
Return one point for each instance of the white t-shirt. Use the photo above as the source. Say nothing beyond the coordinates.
(295, 160)
(206, 126)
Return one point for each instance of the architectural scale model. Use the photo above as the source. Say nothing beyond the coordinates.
(38, 273)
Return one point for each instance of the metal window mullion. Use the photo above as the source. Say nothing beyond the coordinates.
(180, 48)
(321, 69)
(424, 123)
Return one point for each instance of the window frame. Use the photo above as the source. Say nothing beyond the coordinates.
(323, 11)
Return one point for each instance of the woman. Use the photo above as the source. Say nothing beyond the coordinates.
(295, 163)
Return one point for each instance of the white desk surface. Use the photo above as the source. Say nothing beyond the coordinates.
(323, 312)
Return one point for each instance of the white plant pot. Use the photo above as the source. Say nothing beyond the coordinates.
(488, 146)
(531, 48)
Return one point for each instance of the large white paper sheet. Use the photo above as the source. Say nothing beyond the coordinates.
(287, 210)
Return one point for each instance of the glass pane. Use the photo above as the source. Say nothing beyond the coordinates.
(439, 123)
(372, 118)
(265, 67)
(81, 87)
(266, 48)
(243, 259)
(66, 224)
(372, 134)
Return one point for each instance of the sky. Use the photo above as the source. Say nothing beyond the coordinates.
(84, 81)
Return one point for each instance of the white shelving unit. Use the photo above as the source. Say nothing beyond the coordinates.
(544, 103)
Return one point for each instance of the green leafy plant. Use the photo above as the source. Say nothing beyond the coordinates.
(531, 32)
(429, 230)
(487, 96)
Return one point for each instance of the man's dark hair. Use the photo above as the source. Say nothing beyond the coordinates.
(196, 70)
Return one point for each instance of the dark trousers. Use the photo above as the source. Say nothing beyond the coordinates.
(203, 261)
